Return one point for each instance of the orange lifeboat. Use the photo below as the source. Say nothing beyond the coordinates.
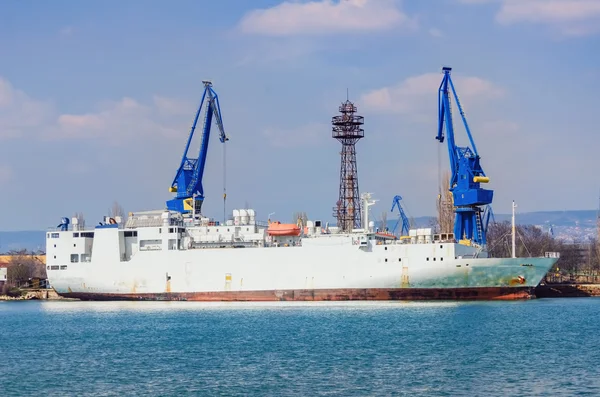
(283, 229)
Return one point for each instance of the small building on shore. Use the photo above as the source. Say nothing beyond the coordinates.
(3, 275)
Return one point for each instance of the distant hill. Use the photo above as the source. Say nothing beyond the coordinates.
(566, 224)
(583, 218)
(32, 240)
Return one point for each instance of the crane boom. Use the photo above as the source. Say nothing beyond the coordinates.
(469, 198)
(187, 183)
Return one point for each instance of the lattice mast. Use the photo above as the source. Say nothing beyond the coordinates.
(347, 128)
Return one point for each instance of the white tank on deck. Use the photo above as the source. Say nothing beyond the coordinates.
(236, 217)
(251, 216)
(244, 217)
(166, 218)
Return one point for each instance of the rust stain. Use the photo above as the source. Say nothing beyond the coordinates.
(404, 283)
(168, 288)
(517, 280)
(382, 294)
(227, 281)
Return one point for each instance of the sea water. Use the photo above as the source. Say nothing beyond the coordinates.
(526, 348)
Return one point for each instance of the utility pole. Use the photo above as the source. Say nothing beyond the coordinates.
(514, 250)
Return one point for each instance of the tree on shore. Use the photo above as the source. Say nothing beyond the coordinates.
(383, 221)
(80, 219)
(301, 215)
(117, 211)
(445, 207)
(576, 258)
(22, 266)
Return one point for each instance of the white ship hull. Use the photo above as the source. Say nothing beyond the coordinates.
(335, 267)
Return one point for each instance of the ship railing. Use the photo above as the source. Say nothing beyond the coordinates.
(262, 224)
(552, 255)
(78, 228)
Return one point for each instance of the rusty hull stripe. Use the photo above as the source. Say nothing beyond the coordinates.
(381, 294)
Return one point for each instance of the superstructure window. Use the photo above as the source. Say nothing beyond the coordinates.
(88, 234)
(170, 230)
(86, 258)
(150, 245)
(75, 234)
(131, 234)
(54, 235)
(74, 258)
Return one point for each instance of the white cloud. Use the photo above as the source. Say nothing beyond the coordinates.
(326, 16)
(306, 135)
(20, 114)
(121, 121)
(113, 122)
(476, 1)
(417, 96)
(172, 106)
(570, 17)
(548, 10)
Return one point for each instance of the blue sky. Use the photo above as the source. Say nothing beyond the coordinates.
(96, 101)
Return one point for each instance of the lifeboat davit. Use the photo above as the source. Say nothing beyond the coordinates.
(283, 229)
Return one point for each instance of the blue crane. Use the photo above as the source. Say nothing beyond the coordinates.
(469, 199)
(187, 183)
(401, 216)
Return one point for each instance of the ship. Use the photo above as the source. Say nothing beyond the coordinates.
(164, 255)
(177, 253)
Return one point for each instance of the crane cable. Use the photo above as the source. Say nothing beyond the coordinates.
(224, 180)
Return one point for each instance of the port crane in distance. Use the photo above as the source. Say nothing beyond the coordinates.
(401, 217)
(187, 184)
(471, 201)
